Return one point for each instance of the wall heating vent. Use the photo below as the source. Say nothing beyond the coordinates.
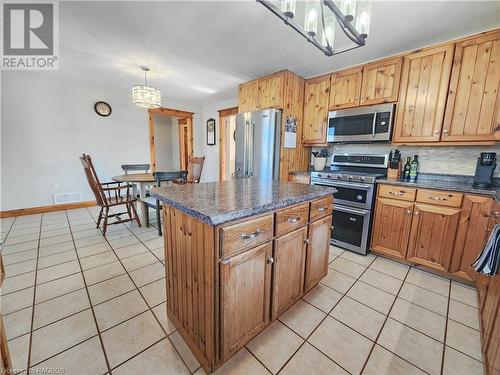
(67, 198)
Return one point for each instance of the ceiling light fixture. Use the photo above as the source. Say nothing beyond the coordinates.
(146, 96)
(316, 20)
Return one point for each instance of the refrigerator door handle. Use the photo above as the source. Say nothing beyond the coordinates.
(245, 149)
(250, 149)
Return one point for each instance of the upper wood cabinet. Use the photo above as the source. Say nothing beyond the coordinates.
(245, 287)
(380, 82)
(391, 226)
(422, 96)
(316, 97)
(265, 92)
(473, 105)
(288, 271)
(317, 251)
(345, 88)
(248, 96)
(432, 235)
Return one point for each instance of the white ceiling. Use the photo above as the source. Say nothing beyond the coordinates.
(200, 51)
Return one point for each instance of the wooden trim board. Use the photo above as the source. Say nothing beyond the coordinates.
(222, 140)
(43, 209)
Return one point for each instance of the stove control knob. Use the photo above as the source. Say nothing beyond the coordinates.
(328, 176)
(362, 178)
(320, 175)
(351, 177)
(339, 175)
(359, 197)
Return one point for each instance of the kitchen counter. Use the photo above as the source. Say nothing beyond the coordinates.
(217, 203)
(457, 183)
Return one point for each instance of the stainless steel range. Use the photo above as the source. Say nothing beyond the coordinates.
(354, 176)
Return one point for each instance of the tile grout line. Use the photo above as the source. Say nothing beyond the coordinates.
(383, 325)
(324, 318)
(446, 327)
(149, 309)
(88, 296)
(34, 298)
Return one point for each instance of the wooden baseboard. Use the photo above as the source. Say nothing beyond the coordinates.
(43, 209)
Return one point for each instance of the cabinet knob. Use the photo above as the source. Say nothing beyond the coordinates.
(437, 131)
(270, 260)
(306, 241)
(331, 227)
(496, 214)
(445, 131)
(408, 212)
(417, 213)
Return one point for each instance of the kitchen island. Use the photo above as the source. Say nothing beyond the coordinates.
(237, 255)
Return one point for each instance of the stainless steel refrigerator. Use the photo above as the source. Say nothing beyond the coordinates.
(257, 139)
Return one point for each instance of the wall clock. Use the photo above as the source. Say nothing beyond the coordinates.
(102, 109)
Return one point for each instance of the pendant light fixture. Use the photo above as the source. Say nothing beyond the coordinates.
(317, 20)
(146, 96)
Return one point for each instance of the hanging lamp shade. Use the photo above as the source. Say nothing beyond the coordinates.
(146, 96)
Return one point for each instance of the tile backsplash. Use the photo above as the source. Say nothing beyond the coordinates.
(459, 160)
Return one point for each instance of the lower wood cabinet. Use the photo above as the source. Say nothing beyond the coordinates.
(245, 287)
(391, 227)
(317, 251)
(288, 271)
(472, 234)
(432, 235)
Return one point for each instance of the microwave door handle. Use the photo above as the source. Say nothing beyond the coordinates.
(374, 123)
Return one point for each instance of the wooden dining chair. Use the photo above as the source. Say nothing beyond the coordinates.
(195, 167)
(135, 167)
(107, 195)
(177, 177)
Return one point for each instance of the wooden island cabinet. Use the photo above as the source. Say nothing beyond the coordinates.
(237, 261)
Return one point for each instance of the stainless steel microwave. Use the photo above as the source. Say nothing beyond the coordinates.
(363, 124)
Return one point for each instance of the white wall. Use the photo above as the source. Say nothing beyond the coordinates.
(48, 121)
(211, 168)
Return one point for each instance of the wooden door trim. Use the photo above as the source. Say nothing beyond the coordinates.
(179, 115)
(222, 140)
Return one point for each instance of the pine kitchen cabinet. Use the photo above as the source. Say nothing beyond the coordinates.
(237, 262)
(380, 82)
(345, 90)
(441, 230)
(473, 103)
(316, 99)
(262, 93)
(422, 96)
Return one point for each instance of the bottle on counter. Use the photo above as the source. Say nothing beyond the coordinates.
(414, 168)
(406, 169)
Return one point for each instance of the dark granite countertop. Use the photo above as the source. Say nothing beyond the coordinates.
(220, 202)
(446, 182)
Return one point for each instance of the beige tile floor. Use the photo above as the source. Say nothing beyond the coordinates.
(77, 301)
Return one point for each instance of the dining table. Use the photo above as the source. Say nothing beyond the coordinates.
(140, 181)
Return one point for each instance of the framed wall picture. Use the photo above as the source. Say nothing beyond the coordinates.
(211, 132)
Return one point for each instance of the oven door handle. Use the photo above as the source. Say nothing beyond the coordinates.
(350, 210)
(352, 184)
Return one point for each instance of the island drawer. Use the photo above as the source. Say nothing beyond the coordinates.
(291, 218)
(441, 198)
(397, 192)
(237, 237)
(321, 207)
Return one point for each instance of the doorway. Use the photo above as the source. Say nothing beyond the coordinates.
(170, 139)
(227, 144)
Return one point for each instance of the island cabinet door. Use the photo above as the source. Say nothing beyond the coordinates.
(245, 282)
(288, 271)
(432, 235)
(317, 251)
(391, 227)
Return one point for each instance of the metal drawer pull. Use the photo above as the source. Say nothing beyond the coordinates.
(331, 228)
(496, 214)
(438, 198)
(295, 219)
(321, 209)
(245, 236)
(398, 193)
(306, 241)
(270, 260)
(224, 261)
